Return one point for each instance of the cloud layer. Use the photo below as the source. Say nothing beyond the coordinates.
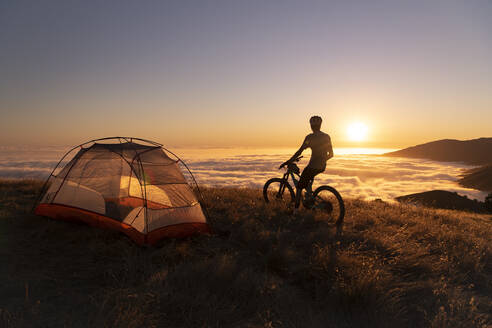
(359, 176)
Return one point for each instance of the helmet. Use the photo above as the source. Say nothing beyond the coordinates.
(315, 120)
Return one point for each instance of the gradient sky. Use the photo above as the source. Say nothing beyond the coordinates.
(244, 73)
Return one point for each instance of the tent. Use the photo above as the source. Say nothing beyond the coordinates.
(127, 184)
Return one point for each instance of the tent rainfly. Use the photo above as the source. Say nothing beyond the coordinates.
(117, 183)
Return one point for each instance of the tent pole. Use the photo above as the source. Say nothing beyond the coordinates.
(193, 177)
(38, 198)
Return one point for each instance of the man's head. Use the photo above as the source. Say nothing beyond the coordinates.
(315, 122)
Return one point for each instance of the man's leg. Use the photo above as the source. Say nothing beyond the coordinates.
(306, 177)
(309, 189)
(298, 197)
(305, 182)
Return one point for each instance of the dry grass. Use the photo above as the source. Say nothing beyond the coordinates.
(390, 266)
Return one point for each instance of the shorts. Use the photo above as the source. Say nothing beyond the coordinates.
(307, 176)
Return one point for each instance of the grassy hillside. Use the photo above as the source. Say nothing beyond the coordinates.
(390, 266)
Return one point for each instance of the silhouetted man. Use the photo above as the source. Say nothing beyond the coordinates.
(321, 151)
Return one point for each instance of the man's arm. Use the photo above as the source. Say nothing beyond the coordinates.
(297, 153)
(330, 149)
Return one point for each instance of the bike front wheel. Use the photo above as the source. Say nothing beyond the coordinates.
(328, 200)
(278, 190)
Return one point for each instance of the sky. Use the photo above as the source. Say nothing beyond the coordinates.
(244, 73)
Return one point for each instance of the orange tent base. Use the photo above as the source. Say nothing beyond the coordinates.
(69, 213)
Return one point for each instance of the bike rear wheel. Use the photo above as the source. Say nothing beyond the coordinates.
(329, 201)
(278, 190)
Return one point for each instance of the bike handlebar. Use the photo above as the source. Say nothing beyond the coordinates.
(290, 162)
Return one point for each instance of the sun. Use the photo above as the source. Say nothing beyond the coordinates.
(357, 131)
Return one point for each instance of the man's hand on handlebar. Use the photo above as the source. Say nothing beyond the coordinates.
(283, 164)
(290, 161)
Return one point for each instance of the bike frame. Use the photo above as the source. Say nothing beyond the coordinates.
(293, 175)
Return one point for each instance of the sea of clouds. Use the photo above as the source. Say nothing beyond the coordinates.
(365, 176)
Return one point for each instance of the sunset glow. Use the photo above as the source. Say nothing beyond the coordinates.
(246, 73)
(357, 131)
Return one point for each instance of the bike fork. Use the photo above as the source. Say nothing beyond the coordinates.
(281, 190)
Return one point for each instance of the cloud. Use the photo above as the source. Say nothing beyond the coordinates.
(360, 176)
(357, 176)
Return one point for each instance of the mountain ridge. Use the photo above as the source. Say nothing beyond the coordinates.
(474, 151)
(478, 178)
(445, 200)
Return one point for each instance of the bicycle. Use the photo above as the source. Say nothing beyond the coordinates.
(324, 198)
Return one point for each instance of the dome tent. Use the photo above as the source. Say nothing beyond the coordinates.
(117, 183)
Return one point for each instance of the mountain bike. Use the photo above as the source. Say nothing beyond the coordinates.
(325, 198)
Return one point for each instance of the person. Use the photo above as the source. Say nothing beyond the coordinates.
(321, 151)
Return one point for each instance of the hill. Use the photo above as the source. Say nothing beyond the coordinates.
(475, 151)
(478, 178)
(388, 266)
(444, 199)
